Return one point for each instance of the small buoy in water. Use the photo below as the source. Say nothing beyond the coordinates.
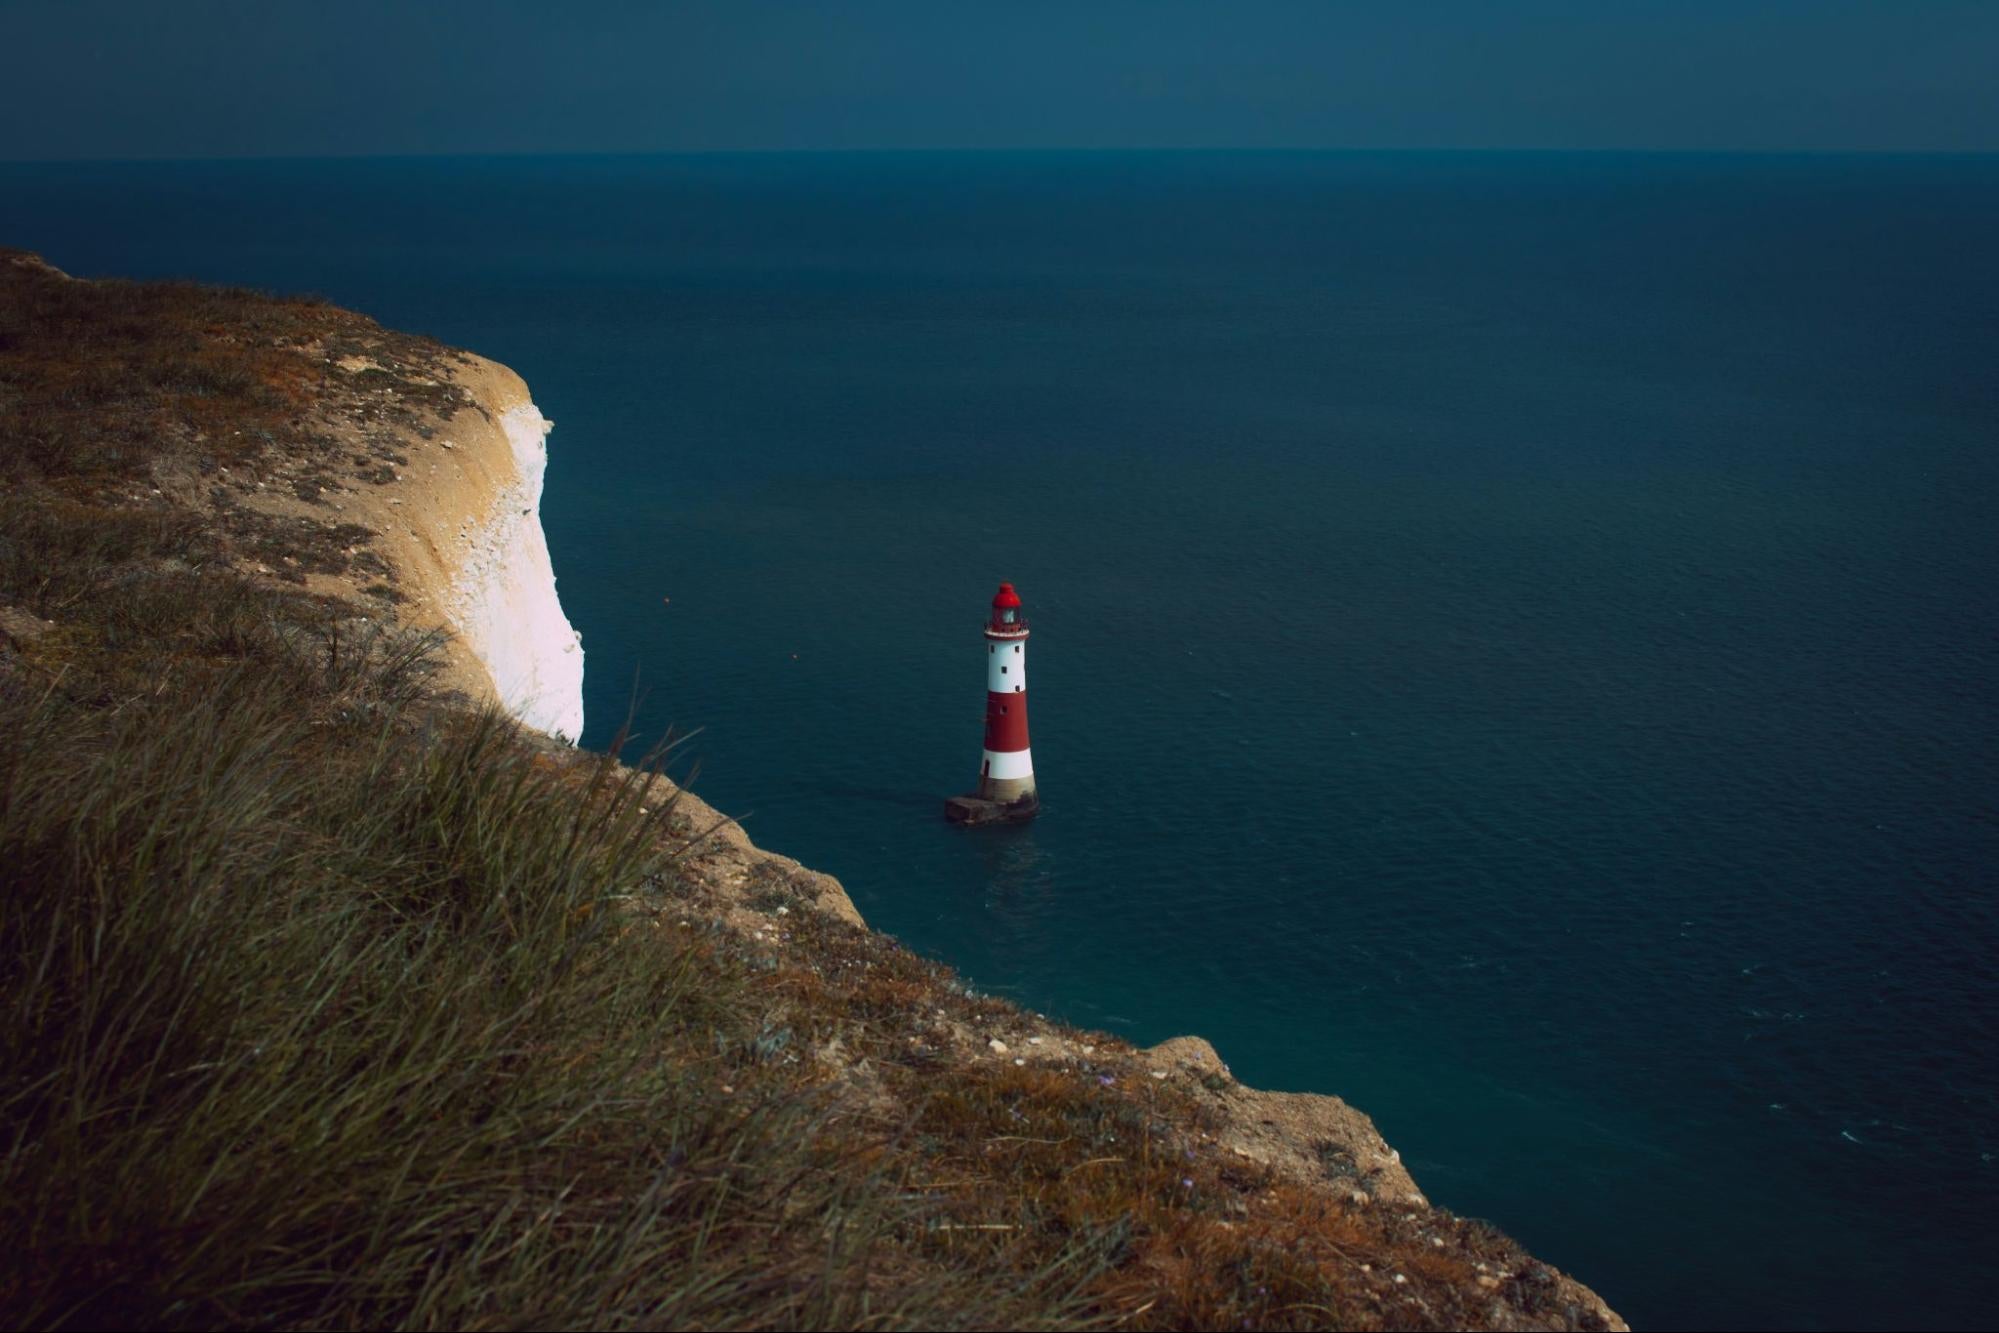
(666, 601)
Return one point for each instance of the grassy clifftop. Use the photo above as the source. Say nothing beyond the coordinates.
(330, 997)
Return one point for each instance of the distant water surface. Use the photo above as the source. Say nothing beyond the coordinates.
(1514, 636)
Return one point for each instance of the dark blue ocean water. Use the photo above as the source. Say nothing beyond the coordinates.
(1514, 635)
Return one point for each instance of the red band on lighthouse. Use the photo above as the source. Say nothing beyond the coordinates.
(1006, 771)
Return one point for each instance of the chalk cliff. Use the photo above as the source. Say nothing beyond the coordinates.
(500, 586)
(456, 506)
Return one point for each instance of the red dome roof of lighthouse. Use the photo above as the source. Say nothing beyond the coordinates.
(1005, 597)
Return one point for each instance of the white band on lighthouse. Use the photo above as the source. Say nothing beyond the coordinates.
(1006, 668)
(1008, 764)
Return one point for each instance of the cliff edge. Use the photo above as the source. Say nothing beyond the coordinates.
(334, 997)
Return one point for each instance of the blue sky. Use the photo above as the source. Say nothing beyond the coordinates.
(224, 78)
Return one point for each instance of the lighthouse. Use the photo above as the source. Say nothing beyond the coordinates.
(1006, 768)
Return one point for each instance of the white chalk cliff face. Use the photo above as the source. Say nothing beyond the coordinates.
(502, 595)
(457, 519)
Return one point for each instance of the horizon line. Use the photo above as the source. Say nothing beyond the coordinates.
(1242, 151)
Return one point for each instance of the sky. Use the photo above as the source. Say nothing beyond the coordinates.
(282, 78)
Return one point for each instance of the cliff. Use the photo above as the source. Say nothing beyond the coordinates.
(460, 525)
(335, 998)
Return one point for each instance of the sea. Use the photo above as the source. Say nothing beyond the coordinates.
(1513, 635)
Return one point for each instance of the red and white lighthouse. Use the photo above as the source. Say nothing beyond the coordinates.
(1006, 770)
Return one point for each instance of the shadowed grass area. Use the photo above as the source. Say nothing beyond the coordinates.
(354, 1024)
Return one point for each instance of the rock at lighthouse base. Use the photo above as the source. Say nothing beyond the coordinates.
(970, 810)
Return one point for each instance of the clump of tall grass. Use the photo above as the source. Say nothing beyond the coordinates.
(367, 1029)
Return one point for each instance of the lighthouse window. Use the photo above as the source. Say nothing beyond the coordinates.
(1018, 688)
(1016, 647)
(1002, 671)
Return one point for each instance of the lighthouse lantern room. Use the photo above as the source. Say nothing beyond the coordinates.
(1006, 768)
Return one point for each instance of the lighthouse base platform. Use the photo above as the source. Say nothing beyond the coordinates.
(970, 810)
